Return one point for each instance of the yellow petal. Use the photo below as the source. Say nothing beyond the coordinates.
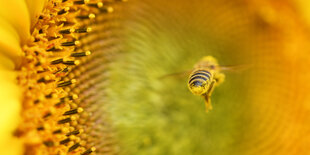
(15, 12)
(10, 50)
(14, 26)
(6, 62)
(303, 7)
(9, 112)
(12, 147)
(35, 7)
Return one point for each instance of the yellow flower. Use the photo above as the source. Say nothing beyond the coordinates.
(49, 55)
(15, 19)
(55, 60)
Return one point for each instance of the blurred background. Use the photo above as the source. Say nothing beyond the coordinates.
(261, 110)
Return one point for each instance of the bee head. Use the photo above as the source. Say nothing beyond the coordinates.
(198, 87)
(207, 62)
(209, 59)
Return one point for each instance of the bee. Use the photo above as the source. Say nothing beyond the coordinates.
(204, 77)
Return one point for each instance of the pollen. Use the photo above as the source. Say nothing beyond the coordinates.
(63, 111)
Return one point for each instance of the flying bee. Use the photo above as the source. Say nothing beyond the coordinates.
(204, 77)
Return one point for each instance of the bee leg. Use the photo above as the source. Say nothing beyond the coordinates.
(208, 103)
(207, 96)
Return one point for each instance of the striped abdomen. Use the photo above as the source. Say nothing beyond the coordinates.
(199, 77)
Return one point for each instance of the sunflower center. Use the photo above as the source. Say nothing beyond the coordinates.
(63, 76)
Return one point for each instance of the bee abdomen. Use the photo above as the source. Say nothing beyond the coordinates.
(199, 76)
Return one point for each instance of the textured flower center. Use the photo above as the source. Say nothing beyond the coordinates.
(63, 76)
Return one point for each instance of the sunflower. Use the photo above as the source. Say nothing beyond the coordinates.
(51, 104)
(82, 77)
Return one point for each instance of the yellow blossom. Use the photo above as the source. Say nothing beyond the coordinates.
(81, 77)
(42, 44)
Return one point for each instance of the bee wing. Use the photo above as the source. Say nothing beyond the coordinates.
(234, 68)
(177, 74)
